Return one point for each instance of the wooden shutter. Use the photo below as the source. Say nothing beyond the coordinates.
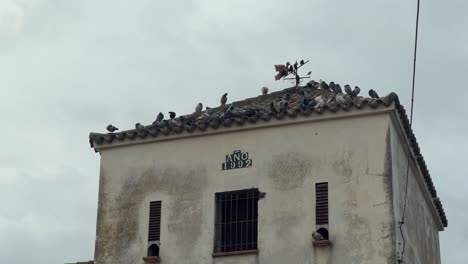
(321, 203)
(154, 231)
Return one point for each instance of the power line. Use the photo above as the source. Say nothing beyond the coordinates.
(402, 221)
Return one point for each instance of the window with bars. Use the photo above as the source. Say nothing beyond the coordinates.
(236, 221)
(321, 209)
(154, 229)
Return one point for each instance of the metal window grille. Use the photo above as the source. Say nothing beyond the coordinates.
(321, 203)
(236, 220)
(154, 230)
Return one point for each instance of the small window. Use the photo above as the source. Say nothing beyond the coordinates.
(236, 221)
(321, 209)
(154, 229)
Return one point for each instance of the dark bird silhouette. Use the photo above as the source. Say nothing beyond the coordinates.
(111, 128)
(264, 90)
(324, 86)
(301, 62)
(287, 64)
(160, 117)
(338, 88)
(172, 115)
(198, 108)
(348, 90)
(298, 79)
(139, 127)
(373, 94)
(310, 84)
(295, 66)
(291, 69)
(356, 91)
(333, 87)
(224, 99)
(309, 73)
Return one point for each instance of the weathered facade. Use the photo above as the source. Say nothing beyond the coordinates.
(360, 150)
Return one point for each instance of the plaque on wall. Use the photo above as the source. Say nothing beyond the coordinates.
(237, 160)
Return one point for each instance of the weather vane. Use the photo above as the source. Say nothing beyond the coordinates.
(285, 70)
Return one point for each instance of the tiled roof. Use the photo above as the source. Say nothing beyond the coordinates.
(250, 110)
(269, 106)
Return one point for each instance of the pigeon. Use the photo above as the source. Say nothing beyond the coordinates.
(291, 69)
(317, 236)
(232, 111)
(198, 108)
(338, 88)
(295, 66)
(139, 127)
(298, 79)
(111, 128)
(347, 89)
(324, 86)
(287, 64)
(264, 90)
(316, 85)
(373, 94)
(320, 102)
(356, 91)
(273, 106)
(174, 122)
(310, 84)
(333, 87)
(283, 106)
(309, 73)
(306, 103)
(224, 99)
(160, 117)
(302, 62)
(308, 94)
(172, 115)
(340, 99)
(286, 96)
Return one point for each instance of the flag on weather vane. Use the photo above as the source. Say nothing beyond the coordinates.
(285, 70)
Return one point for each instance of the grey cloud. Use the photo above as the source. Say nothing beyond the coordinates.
(71, 67)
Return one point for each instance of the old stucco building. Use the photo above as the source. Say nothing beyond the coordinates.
(250, 183)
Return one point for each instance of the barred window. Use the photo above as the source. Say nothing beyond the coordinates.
(236, 221)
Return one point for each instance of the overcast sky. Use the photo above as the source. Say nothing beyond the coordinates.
(71, 67)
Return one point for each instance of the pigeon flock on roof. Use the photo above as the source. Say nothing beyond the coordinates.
(315, 96)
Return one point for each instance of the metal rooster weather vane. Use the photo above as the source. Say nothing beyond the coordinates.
(285, 70)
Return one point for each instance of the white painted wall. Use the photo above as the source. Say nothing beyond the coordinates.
(420, 230)
(350, 154)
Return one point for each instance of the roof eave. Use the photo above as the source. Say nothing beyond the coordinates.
(241, 126)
